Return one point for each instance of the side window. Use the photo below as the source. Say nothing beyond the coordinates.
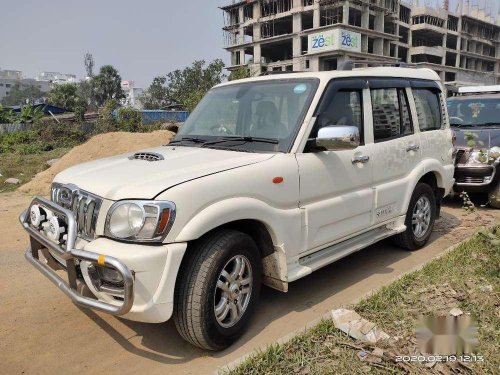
(428, 109)
(345, 109)
(391, 114)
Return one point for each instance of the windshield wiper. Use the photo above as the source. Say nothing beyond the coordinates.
(464, 125)
(242, 139)
(188, 139)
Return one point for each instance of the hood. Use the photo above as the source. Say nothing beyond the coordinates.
(123, 177)
(484, 138)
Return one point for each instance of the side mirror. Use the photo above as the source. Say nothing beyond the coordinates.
(337, 138)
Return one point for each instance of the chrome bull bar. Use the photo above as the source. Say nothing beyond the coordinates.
(70, 254)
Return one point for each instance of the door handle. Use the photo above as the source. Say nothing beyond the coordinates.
(412, 148)
(360, 159)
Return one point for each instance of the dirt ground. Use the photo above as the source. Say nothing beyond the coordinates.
(42, 332)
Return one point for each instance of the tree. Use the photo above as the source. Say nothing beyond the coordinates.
(107, 85)
(20, 94)
(29, 114)
(64, 95)
(188, 86)
(156, 95)
(239, 73)
(6, 115)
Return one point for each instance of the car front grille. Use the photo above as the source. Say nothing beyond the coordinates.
(470, 180)
(83, 204)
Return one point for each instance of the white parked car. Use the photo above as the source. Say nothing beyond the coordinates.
(269, 179)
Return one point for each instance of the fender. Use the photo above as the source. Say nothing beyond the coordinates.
(278, 221)
(442, 174)
(283, 225)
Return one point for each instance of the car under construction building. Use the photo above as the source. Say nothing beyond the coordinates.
(461, 44)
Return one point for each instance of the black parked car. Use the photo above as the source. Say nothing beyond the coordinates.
(475, 119)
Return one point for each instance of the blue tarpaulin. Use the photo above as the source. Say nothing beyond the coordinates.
(149, 116)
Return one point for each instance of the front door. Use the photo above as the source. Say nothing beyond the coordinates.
(336, 186)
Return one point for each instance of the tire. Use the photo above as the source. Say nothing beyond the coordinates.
(494, 197)
(413, 239)
(198, 292)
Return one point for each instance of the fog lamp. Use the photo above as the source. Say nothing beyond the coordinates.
(109, 275)
(56, 228)
(37, 215)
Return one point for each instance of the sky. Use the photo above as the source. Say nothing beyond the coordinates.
(141, 38)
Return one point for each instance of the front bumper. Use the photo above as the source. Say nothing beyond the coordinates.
(476, 178)
(148, 271)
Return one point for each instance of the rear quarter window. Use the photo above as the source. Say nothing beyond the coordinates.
(429, 109)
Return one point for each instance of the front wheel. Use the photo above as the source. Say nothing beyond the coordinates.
(419, 220)
(217, 290)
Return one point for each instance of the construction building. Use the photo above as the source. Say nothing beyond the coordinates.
(461, 44)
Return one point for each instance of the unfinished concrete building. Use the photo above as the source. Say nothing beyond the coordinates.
(310, 35)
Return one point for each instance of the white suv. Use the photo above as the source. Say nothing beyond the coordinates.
(269, 179)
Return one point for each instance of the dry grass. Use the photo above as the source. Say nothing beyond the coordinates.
(468, 277)
(25, 167)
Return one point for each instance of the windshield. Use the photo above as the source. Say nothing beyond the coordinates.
(474, 111)
(256, 116)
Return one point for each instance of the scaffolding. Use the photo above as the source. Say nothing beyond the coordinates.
(272, 7)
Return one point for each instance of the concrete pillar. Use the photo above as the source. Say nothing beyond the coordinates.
(256, 10)
(365, 17)
(296, 46)
(443, 60)
(257, 53)
(297, 4)
(379, 22)
(345, 13)
(297, 23)
(242, 57)
(316, 16)
(256, 32)
(364, 43)
(240, 14)
(378, 46)
(314, 63)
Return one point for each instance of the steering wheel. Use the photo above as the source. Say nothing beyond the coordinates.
(456, 121)
(220, 129)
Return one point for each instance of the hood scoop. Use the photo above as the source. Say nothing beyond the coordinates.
(147, 156)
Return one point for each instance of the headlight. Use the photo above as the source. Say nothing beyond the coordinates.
(494, 152)
(142, 221)
(478, 157)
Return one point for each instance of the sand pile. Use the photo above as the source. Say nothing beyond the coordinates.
(100, 146)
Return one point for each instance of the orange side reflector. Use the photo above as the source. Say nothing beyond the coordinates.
(164, 221)
(101, 260)
(277, 180)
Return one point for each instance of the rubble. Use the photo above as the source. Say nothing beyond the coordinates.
(51, 162)
(357, 327)
(456, 311)
(13, 181)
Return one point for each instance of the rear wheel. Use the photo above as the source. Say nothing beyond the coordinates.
(217, 291)
(420, 218)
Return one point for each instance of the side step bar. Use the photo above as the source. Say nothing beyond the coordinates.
(328, 255)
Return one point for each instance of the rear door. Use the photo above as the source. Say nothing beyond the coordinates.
(397, 146)
(336, 191)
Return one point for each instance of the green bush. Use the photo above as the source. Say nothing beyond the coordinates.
(129, 119)
(45, 136)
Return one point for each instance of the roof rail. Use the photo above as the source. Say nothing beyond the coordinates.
(351, 64)
(270, 73)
